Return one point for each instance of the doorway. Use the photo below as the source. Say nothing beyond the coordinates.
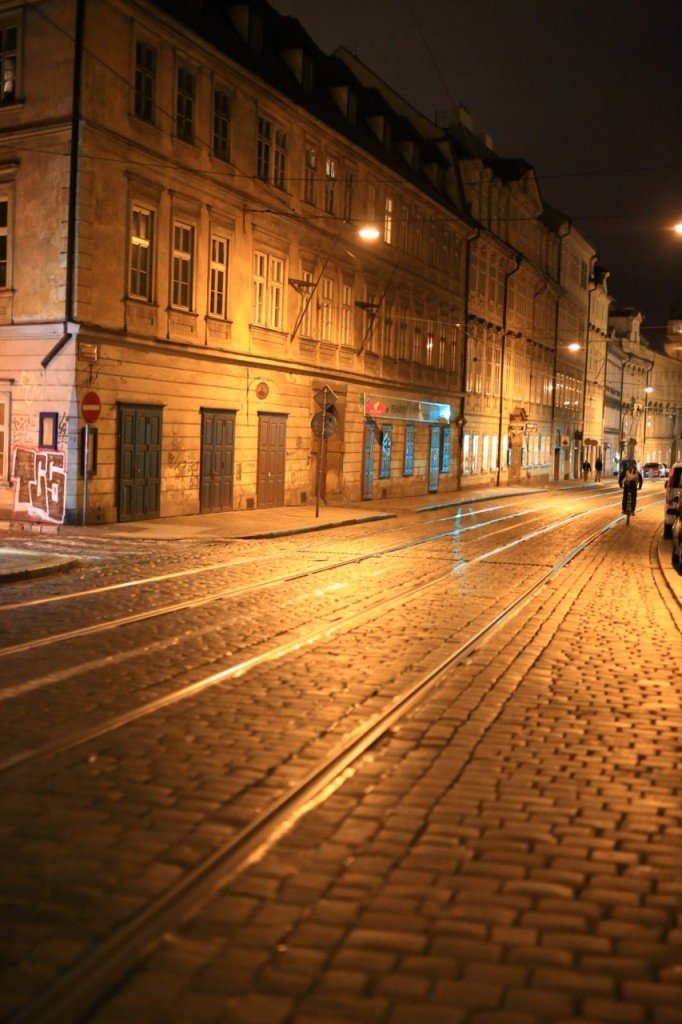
(272, 437)
(217, 460)
(139, 462)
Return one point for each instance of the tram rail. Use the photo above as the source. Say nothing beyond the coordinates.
(301, 639)
(71, 995)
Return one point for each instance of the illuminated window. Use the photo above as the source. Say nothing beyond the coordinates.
(388, 220)
(386, 443)
(217, 302)
(330, 184)
(268, 290)
(408, 459)
(141, 253)
(8, 63)
(183, 265)
(326, 309)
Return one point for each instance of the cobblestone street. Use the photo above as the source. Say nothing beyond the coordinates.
(508, 852)
(513, 857)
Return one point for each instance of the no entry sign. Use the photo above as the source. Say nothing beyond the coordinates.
(91, 407)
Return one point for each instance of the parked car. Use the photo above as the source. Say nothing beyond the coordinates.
(654, 469)
(677, 539)
(673, 496)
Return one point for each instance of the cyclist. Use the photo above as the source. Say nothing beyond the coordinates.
(631, 481)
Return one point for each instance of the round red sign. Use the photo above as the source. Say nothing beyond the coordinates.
(91, 407)
(262, 390)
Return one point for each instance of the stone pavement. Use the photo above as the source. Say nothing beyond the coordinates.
(18, 563)
(510, 854)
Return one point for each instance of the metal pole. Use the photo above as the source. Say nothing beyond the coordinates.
(86, 438)
(319, 461)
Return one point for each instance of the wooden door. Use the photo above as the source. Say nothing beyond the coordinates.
(139, 461)
(272, 435)
(217, 460)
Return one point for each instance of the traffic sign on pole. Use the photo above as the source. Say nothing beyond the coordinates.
(91, 407)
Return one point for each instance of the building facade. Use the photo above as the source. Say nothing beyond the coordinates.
(191, 322)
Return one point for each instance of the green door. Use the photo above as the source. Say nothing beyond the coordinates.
(139, 462)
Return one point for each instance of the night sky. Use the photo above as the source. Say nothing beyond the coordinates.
(589, 93)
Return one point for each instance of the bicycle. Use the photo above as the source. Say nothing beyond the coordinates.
(629, 504)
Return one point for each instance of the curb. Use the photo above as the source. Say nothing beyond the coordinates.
(44, 569)
(315, 527)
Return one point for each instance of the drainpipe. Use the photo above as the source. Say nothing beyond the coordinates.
(465, 356)
(70, 284)
(587, 352)
(508, 274)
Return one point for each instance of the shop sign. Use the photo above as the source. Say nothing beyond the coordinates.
(406, 409)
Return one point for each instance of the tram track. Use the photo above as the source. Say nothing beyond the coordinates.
(78, 988)
(97, 628)
(301, 639)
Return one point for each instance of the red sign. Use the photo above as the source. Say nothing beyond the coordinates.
(91, 407)
(262, 390)
(375, 408)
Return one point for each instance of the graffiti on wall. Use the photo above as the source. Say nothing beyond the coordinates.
(39, 476)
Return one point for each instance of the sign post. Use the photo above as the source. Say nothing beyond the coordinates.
(91, 407)
(323, 425)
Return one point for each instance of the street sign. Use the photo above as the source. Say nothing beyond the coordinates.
(325, 396)
(328, 420)
(91, 407)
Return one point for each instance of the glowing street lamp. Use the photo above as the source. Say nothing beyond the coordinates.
(369, 232)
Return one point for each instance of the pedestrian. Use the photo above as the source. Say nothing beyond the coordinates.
(598, 466)
(630, 479)
(586, 469)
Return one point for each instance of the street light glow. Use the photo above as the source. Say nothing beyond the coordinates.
(369, 233)
(678, 228)
(574, 347)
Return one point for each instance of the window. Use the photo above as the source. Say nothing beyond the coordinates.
(348, 196)
(183, 265)
(306, 315)
(388, 221)
(141, 253)
(268, 290)
(280, 171)
(221, 125)
(8, 64)
(4, 436)
(271, 156)
(48, 425)
(217, 303)
(310, 171)
(386, 441)
(445, 449)
(145, 82)
(264, 154)
(405, 230)
(184, 111)
(326, 309)
(346, 314)
(4, 243)
(330, 184)
(433, 236)
(408, 459)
